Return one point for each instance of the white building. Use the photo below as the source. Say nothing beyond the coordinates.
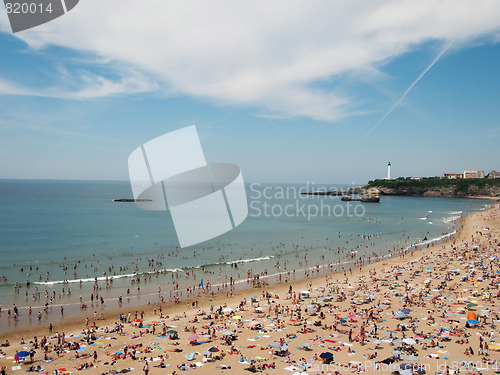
(494, 174)
(474, 173)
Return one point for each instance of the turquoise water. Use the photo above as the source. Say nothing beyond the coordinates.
(72, 230)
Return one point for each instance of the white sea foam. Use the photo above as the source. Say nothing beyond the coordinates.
(104, 278)
(451, 219)
(250, 260)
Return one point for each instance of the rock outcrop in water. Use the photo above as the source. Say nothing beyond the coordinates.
(131, 200)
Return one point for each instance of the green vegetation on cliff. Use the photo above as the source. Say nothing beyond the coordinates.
(459, 186)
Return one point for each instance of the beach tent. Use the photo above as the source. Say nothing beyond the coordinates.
(471, 315)
(326, 355)
(20, 355)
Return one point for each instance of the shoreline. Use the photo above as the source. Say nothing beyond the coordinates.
(421, 270)
(134, 301)
(72, 310)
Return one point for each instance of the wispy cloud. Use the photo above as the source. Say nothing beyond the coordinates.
(85, 85)
(260, 54)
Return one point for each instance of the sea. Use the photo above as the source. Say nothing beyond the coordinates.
(62, 243)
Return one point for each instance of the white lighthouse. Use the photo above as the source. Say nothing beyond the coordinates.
(389, 171)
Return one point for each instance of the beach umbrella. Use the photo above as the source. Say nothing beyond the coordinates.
(284, 348)
(170, 332)
(409, 341)
(397, 341)
(258, 308)
(274, 344)
(351, 316)
(137, 320)
(22, 354)
(254, 323)
(326, 355)
(411, 358)
(405, 311)
(471, 304)
(399, 314)
(405, 372)
(253, 297)
(327, 300)
(473, 321)
(227, 310)
(227, 333)
(396, 352)
(213, 349)
(193, 337)
(206, 353)
(420, 371)
(377, 342)
(237, 317)
(405, 366)
(306, 345)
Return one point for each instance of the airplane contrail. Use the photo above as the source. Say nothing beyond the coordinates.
(398, 102)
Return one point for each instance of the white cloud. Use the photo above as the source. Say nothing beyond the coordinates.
(85, 85)
(260, 53)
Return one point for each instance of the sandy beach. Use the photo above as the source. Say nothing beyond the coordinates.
(433, 311)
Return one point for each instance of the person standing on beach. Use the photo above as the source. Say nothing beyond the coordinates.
(146, 368)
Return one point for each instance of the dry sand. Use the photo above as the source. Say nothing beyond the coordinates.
(444, 284)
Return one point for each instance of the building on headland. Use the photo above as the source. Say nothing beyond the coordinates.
(494, 174)
(474, 173)
(388, 171)
(453, 176)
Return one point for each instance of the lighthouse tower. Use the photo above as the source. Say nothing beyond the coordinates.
(389, 171)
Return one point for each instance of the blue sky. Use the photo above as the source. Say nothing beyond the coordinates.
(290, 93)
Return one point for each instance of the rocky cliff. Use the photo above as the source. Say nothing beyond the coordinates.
(450, 191)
